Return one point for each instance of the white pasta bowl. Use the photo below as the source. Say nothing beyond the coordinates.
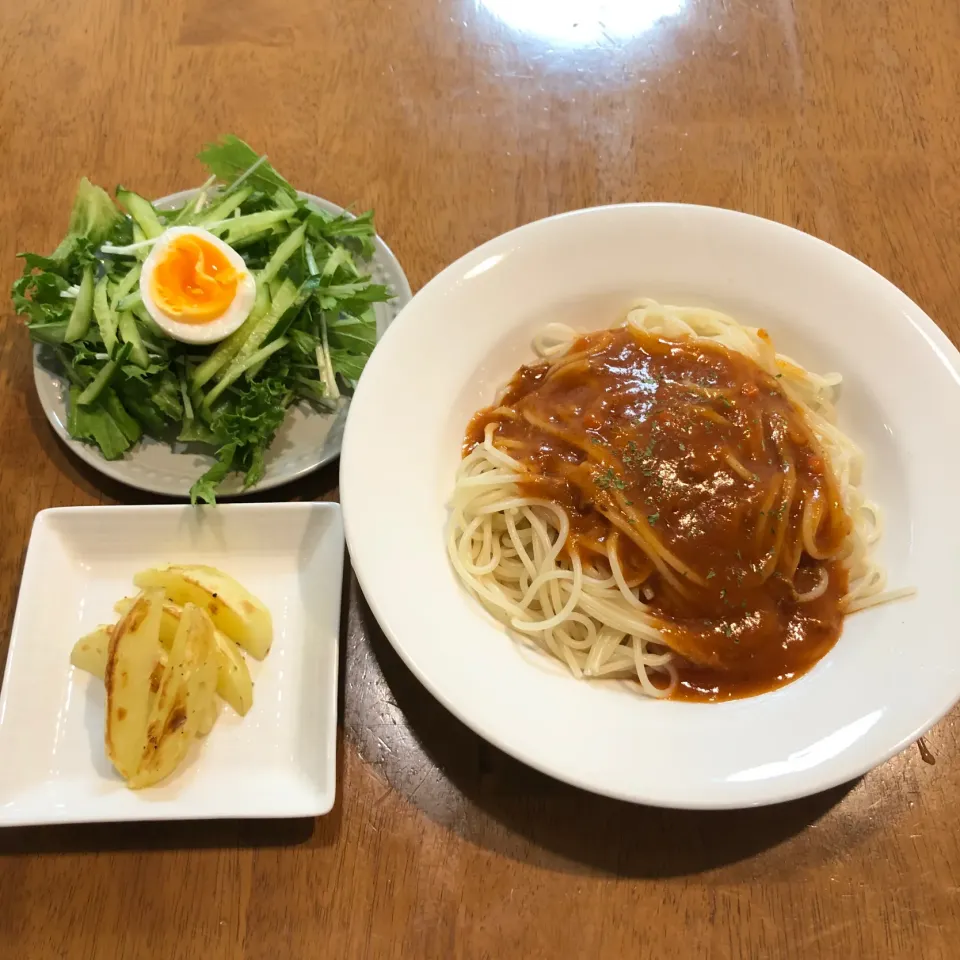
(896, 668)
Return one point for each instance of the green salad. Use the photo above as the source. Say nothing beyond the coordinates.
(305, 334)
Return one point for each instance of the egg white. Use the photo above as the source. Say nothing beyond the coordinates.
(213, 330)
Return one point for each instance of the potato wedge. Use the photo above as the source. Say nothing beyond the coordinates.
(185, 702)
(135, 662)
(89, 653)
(203, 682)
(233, 677)
(234, 610)
(169, 619)
(207, 718)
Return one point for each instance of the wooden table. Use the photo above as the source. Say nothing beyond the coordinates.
(459, 120)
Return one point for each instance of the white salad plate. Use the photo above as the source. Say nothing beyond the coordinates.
(277, 761)
(307, 439)
(896, 668)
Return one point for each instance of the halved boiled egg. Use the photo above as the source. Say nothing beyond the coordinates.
(195, 287)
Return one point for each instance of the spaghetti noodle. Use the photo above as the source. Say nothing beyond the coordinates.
(668, 501)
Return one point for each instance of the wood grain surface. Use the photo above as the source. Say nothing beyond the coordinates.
(457, 120)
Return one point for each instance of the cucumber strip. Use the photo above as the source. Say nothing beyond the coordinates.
(228, 348)
(142, 212)
(223, 208)
(249, 240)
(255, 360)
(282, 327)
(128, 426)
(144, 317)
(282, 304)
(282, 254)
(235, 229)
(141, 246)
(103, 378)
(196, 396)
(257, 221)
(289, 298)
(131, 335)
(283, 201)
(82, 312)
(254, 365)
(130, 302)
(106, 317)
(130, 279)
(253, 370)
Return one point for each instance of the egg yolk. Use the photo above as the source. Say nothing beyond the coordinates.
(194, 282)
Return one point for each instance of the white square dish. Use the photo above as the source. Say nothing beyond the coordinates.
(278, 761)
